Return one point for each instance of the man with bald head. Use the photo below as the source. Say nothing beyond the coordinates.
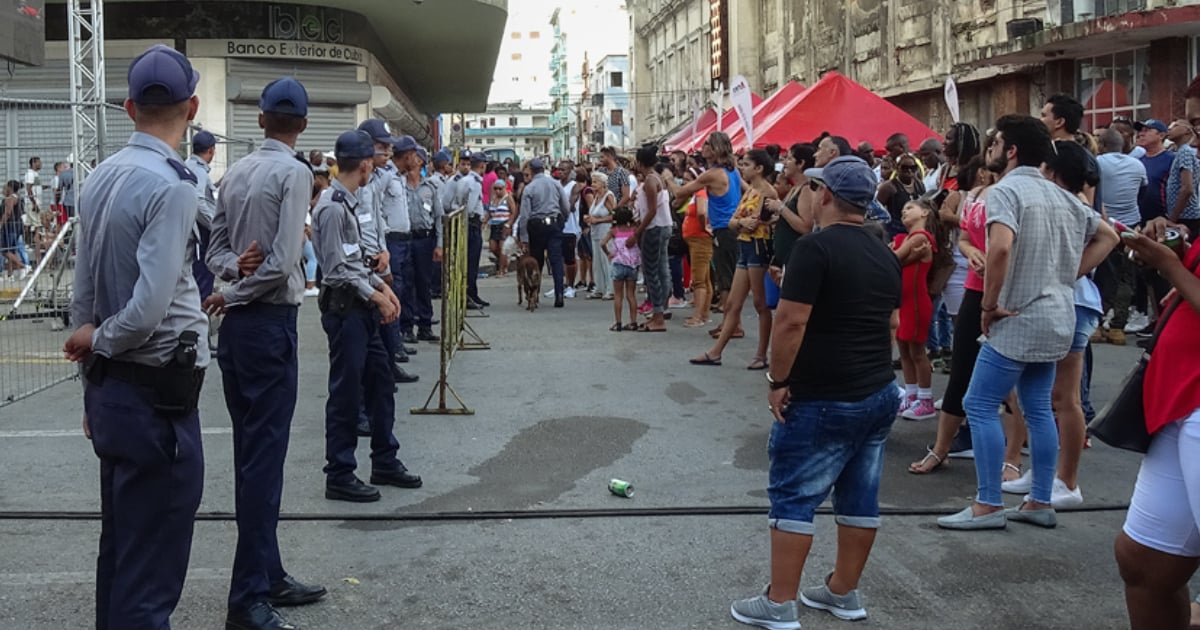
(931, 153)
(1124, 177)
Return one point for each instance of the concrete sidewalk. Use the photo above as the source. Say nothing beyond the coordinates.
(562, 405)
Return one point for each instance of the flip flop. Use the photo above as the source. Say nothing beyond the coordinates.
(617, 327)
(707, 360)
(633, 327)
(645, 328)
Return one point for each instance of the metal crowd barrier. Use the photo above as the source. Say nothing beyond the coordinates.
(457, 333)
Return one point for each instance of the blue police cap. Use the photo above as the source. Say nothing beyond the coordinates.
(353, 145)
(442, 156)
(378, 130)
(537, 164)
(423, 154)
(161, 76)
(404, 144)
(479, 157)
(284, 96)
(203, 141)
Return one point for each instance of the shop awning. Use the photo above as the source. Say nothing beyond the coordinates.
(693, 143)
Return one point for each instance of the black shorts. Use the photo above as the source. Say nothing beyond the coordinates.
(568, 248)
(497, 232)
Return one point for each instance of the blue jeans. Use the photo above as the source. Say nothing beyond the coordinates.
(829, 446)
(310, 261)
(995, 375)
(941, 329)
(655, 266)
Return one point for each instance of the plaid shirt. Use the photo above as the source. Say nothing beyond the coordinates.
(1185, 160)
(1052, 227)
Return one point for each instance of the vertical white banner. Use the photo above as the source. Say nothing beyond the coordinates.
(739, 94)
(696, 111)
(718, 101)
(952, 98)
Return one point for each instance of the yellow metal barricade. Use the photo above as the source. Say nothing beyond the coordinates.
(455, 328)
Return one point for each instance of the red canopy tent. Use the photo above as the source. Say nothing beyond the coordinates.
(707, 117)
(843, 108)
(779, 101)
(694, 143)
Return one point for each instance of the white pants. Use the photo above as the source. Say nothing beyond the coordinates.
(1164, 513)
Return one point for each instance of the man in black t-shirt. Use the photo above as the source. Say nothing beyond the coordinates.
(841, 289)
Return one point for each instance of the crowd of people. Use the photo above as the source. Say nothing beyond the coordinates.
(31, 216)
(994, 252)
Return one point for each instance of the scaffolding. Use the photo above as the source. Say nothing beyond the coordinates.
(85, 43)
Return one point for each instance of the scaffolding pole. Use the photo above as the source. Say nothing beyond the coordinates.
(85, 41)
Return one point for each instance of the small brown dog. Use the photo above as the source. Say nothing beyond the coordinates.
(529, 282)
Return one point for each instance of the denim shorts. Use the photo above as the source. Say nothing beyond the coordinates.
(1086, 321)
(752, 254)
(624, 272)
(829, 446)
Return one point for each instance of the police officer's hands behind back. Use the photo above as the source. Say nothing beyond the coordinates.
(79, 344)
(389, 306)
(250, 260)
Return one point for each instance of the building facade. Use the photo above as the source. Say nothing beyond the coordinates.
(1118, 57)
(521, 71)
(349, 59)
(582, 30)
(526, 130)
(605, 122)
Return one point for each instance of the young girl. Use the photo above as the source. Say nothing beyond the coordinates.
(625, 261)
(926, 238)
(10, 230)
(500, 205)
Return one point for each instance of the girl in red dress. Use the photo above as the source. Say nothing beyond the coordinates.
(916, 250)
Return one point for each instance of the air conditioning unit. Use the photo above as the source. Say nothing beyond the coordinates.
(598, 99)
(1024, 26)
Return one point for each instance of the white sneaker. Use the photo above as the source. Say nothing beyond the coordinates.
(1019, 486)
(938, 404)
(567, 292)
(24, 273)
(549, 293)
(1063, 497)
(1137, 321)
(313, 292)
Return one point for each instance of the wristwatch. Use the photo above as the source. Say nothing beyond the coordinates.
(776, 384)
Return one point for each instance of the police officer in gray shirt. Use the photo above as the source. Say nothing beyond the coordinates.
(354, 301)
(425, 211)
(470, 197)
(544, 210)
(143, 341)
(263, 204)
(204, 148)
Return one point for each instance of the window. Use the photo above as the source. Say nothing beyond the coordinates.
(483, 123)
(616, 118)
(515, 35)
(535, 35)
(491, 141)
(491, 122)
(512, 121)
(516, 56)
(467, 125)
(1114, 85)
(616, 79)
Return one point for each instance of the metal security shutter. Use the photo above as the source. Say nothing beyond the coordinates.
(325, 123)
(53, 80)
(304, 71)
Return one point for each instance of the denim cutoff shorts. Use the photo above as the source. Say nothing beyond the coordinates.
(624, 272)
(1086, 321)
(752, 254)
(829, 446)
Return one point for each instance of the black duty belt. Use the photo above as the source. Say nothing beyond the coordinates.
(135, 373)
(399, 236)
(422, 233)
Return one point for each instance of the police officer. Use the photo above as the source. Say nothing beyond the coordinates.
(470, 197)
(144, 351)
(204, 149)
(425, 216)
(262, 209)
(399, 237)
(374, 231)
(544, 210)
(353, 303)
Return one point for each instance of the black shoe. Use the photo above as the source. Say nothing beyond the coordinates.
(409, 337)
(400, 357)
(558, 302)
(1145, 343)
(426, 334)
(400, 376)
(289, 592)
(591, 287)
(354, 491)
(363, 428)
(482, 302)
(435, 322)
(260, 616)
(398, 478)
(410, 350)
(472, 305)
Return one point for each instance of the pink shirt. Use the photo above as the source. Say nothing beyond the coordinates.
(628, 256)
(974, 222)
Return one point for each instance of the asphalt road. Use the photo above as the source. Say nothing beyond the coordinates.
(562, 406)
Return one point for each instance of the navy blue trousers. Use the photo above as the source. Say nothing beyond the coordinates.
(401, 262)
(258, 358)
(151, 479)
(359, 375)
(419, 281)
(547, 238)
(474, 251)
(204, 277)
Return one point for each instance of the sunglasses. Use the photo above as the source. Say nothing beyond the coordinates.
(909, 168)
(815, 185)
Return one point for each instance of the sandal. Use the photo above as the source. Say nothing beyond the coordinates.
(693, 323)
(915, 468)
(617, 327)
(1008, 466)
(632, 327)
(759, 363)
(707, 360)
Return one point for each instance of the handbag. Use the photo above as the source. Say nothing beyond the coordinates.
(1122, 422)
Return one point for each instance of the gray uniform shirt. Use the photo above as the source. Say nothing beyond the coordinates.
(337, 242)
(425, 206)
(1052, 227)
(395, 205)
(543, 197)
(370, 216)
(130, 278)
(264, 198)
(204, 191)
(469, 195)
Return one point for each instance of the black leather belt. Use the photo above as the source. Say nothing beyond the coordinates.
(422, 233)
(399, 236)
(134, 373)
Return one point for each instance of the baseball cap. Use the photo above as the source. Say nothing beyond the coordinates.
(537, 164)
(161, 76)
(404, 144)
(284, 96)
(423, 154)
(354, 145)
(442, 156)
(203, 141)
(1153, 123)
(378, 130)
(848, 178)
(479, 157)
